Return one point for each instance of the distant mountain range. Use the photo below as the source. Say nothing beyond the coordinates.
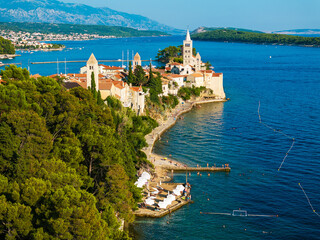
(66, 29)
(53, 11)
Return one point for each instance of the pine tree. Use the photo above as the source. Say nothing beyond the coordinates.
(130, 75)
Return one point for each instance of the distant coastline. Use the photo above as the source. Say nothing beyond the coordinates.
(230, 35)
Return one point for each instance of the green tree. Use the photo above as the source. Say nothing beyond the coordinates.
(140, 76)
(130, 74)
(6, 47)
(93, 86)
(119, 192)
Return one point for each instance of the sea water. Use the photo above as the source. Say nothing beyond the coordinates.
(286, 81)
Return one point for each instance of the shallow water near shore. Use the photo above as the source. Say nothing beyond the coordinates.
(288, 87)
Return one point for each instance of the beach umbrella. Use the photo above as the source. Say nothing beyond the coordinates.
(149, 201)
(180, 187)
(168, 200)
(171, 197)
(177, 192)
(162, 205)
(146, 175)
(155, 192)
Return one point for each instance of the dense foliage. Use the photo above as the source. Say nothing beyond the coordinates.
(187, 92)
(221, 35)
(155, 86)
(171, 53)
(33, 47)
(101, 30)
(67, 161)
(6, 46)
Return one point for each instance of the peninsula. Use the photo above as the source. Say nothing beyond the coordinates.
(245, 36)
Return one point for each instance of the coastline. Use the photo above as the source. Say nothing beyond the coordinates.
(162, 165)
(152, 137)
(8, 56)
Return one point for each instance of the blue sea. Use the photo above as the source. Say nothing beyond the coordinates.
(286, 81)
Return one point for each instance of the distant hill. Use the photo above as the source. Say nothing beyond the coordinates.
(299, 31)
(228, 35)
(101, 30)
(206, 29)
(54, 11)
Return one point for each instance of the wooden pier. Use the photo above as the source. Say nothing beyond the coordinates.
(197, 169)
(84, 61)
(162, 212)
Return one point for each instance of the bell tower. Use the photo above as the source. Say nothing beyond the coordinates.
(187, 50)
(93, 67)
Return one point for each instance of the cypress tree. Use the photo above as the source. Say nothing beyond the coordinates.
(93, 86)
(99, 99)
(130, 75)
(150, 74)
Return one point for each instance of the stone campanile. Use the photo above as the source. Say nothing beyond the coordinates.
(92, 67)
(187, 50)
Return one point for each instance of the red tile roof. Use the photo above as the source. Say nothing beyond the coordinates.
(119, 84)
(111, 67)
(104, 85)
(136, 89)
(35, 76)
(77, 75)
(216, 74)
(197, 75)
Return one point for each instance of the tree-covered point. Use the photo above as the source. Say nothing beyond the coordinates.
(222, 35)
(35, 47)
(46, 28)
(171, 53)
(6, 46)
(67, 161)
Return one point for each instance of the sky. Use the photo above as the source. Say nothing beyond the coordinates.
(264, 15)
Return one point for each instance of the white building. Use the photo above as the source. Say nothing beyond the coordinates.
(129, 96)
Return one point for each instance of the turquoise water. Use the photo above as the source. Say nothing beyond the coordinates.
(288, 87)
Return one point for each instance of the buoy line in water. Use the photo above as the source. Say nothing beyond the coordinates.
(313, 210)
(278, 131)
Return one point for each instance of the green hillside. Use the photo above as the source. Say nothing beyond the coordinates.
(223, 35)
(101, 30)
(68, 162)
(6, 47)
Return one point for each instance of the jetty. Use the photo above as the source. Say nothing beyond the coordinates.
(161, 213)
(84, 61)
(197, 169)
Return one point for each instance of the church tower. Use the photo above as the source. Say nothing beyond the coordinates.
(187, 50)
(136, 61)
(198, 63)
(92, 67)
